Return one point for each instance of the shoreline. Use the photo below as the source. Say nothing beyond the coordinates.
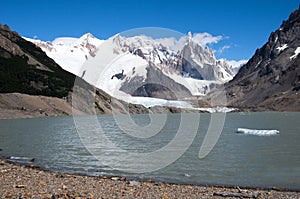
(30, 181)
(183, 111)
(20, 105)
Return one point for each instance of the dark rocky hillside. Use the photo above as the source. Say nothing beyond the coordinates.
(32, 84)
(271, 78)
(25, 68)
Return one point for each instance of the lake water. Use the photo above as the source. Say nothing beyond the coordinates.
(237, 158)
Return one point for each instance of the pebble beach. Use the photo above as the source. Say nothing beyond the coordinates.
(19, 181)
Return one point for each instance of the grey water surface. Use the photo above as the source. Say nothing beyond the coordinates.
(236, 159)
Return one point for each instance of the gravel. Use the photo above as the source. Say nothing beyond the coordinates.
(18, 181)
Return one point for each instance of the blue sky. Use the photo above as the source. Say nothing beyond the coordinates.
(244, 25)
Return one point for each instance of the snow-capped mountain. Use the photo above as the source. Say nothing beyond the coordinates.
(236, 65)
(70, 53)
(192, 61)
(140, 65)
(200, 63)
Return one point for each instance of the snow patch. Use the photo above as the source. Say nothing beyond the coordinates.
(297, 52)
(258, 63)
(64, 41)
(236, 65)
(282, 48)
(195, 86)
(132, 65)
(150, 102)
(218, 109)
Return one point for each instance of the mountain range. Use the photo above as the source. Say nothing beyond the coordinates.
(139, 72)
(151, 67)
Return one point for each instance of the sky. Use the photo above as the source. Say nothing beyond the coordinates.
(236, 27)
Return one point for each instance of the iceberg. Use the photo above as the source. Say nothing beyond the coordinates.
(257, 132)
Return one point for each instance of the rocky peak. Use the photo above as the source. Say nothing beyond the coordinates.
(283, 41)
(200, 63)
(7, 39)
(193, 60)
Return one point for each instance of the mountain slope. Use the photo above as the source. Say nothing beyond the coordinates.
(271, 78)
(27, 69)
(32, 84)
(75, 51)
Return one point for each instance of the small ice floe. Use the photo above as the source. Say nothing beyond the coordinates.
(187, 175)
(257, 132)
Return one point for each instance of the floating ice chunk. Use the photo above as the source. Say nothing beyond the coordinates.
(257, 132)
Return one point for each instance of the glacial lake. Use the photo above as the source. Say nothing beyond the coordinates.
(256, 159)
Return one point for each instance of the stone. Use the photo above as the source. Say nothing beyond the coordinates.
(123, 179)
(115, 178)
(104, 177)
(134, 183)
(20, 186)
(157, 184)
(42, 183)
(30, 166)
(165, 197)
(150, 181)
(54, 196)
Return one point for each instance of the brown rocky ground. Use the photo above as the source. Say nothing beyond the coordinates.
(17, 105)
(28, 182)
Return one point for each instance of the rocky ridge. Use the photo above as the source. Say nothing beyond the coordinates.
(270, 80)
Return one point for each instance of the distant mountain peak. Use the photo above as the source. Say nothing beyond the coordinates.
(88, 35)
(190, 37)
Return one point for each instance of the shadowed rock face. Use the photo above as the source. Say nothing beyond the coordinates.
(155, 85)
(271, 78)
(154, 90)
(25, 68)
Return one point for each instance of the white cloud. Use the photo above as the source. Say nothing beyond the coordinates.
(221, 50)
(236, 65)
(173, 43)
(206, 38)
(202, 38)
(35, 37)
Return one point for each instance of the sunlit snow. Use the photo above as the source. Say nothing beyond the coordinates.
(297, 52)
(282, 48)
